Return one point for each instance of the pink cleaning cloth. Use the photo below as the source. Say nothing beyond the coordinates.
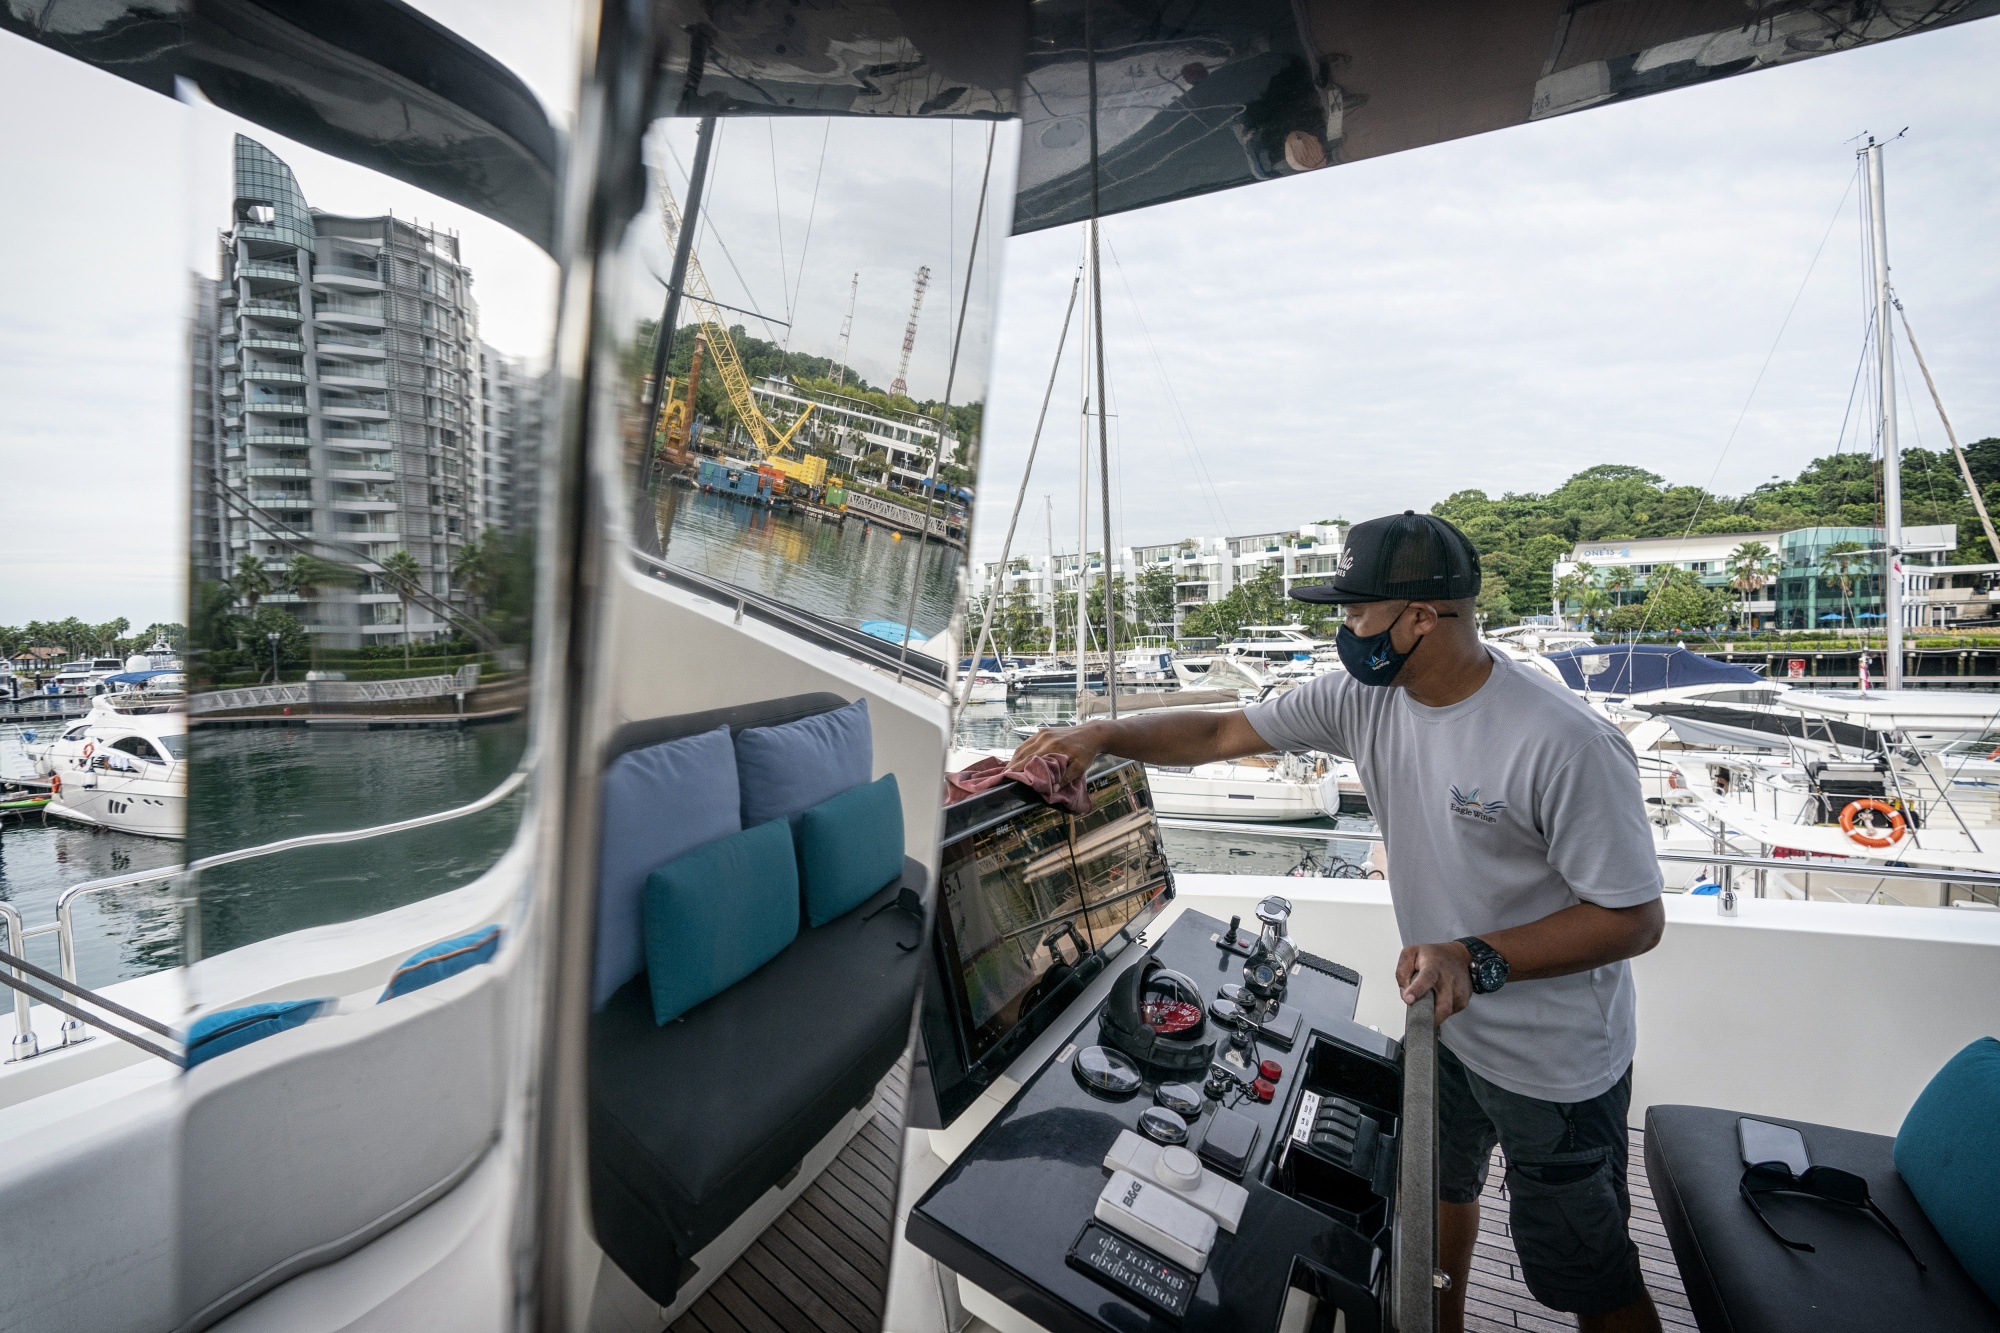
(1043, 775)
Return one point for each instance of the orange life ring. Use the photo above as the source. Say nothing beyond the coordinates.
(1896, 824)
(89, 748)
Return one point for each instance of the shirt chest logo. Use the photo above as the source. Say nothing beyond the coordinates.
(1468, 805)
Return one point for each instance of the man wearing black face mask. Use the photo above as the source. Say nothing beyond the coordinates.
(1522, 872)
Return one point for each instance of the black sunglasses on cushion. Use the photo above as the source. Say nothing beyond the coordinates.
(1826, 1183)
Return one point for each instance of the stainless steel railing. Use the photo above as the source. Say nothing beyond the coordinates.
(1723, 861)
(26, 1045)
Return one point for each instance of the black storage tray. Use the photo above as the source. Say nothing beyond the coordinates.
(1335, 1068)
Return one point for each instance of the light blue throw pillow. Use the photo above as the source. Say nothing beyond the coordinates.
(1948, 1153)
(786, 770)
(659, 803)
(230, 1029)
(447, 958)
(850, 848)
(718, 914)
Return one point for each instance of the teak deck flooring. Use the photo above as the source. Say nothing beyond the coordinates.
(822, 1267)
(1496, 1298)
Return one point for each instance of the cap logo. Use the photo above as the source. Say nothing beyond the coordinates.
(1346, 561)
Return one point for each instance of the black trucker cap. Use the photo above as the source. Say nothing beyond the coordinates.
(1418, 557)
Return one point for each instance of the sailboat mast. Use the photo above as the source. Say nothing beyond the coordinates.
(1083, 521)
(1892, 458)
(1049, 503)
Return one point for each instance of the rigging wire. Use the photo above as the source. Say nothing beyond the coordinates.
(1211, 496)
(944, 407)
(1783, 324)
(1027, 470)
(812, 211)
(707, 225)
(778, 216)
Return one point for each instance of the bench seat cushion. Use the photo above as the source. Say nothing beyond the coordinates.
(691, 1122)
(1740, 1280)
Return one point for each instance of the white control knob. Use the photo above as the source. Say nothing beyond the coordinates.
(1178, 1169)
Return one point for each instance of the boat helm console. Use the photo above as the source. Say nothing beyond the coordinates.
(1210, 1143)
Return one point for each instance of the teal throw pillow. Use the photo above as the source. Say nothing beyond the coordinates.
(1948, 1153)
(850, 848)
(445, 959)
(718, 913)
(231, 1029)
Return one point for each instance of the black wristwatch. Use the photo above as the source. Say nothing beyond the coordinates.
(1489, 969)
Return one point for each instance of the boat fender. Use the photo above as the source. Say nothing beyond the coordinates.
(1862, 836)
(55, 784)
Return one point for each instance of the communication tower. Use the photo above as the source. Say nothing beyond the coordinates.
(847, 330)
(900, 384)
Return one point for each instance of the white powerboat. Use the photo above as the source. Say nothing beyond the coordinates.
(122, 767)
(1260, 789)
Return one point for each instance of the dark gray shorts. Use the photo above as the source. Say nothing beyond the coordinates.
(1566, 1164)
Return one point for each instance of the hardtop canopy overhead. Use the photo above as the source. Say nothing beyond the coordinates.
(1203, 96)
(1189, 99)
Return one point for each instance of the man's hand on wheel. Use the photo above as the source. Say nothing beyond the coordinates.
(1443, 968)
(1075, 746)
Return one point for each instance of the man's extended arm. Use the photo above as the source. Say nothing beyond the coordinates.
(1177, 737)
(1575, 939)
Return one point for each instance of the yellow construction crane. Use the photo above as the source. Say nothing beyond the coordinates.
(696, 292)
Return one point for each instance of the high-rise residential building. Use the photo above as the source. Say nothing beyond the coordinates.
(510, 408)
(348, 424)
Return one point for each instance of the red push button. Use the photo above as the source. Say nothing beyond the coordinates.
(1271, 1070)
(1264, 1088)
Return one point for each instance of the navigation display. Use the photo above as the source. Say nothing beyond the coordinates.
(1028, 899)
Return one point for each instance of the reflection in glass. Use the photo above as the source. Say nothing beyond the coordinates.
(362, 557)
(815, 430)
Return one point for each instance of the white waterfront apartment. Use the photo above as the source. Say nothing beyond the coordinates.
(1204, 571)
(342, 381)
(854, 428)
(1799, 593)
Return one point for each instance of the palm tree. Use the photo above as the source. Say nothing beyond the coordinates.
(468, 569)
(1617, 581)
(1568, 588)
(404, 574)
(1750, 567)
(252, 581)
(307, 574)
(1841, 561)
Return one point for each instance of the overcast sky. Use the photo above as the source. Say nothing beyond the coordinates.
(1498, 312)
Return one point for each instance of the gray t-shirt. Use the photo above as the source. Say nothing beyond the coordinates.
(1498, 810)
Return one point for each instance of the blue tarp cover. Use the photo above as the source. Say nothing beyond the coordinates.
(138, 677)
(1633, 668)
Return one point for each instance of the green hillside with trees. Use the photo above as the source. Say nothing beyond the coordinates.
(1520, 536)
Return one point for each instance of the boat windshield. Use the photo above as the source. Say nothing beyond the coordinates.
(175, 745)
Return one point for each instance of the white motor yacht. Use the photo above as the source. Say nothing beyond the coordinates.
(123, 766)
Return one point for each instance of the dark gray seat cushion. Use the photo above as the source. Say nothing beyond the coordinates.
(1741, 1280)
(690, 1123)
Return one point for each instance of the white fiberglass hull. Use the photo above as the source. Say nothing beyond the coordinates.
(1231, 792)
(140, 806)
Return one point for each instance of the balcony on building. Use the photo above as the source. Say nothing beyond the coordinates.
(346, 312)
(349, 342)
(270, 270)
(272, 306)
(347, 273)
(281, 405)
(271, 341)
(269, 438)
(353, 409)
(275, 372)
(358, 374)
(278, 470)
